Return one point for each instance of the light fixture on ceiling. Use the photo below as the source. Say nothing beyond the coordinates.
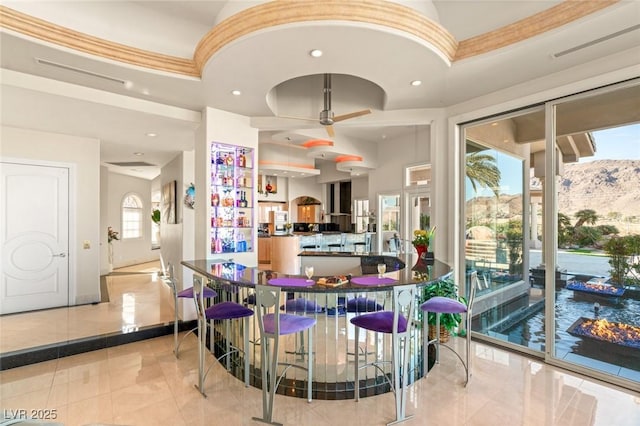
(138, 154)
(315, 53)
(151, 134)
(416, 82)
(236, 92)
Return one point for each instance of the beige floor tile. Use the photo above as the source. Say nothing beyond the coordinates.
(77, 390)
(138, 396)
(91, 411)
(160, 413)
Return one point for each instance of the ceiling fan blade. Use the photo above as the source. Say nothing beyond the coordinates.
(330, 131)
(297, 118)
(351, 115)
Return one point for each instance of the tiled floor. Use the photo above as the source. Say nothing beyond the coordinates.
(138, 298)
(143, 384)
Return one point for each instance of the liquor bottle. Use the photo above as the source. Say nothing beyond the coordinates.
(219, 159)
(229, 159)
(242, 159)
(218, 245)
(243, 200)
(241, 244)
(215, 199)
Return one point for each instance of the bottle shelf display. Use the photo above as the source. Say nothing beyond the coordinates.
(231, 199)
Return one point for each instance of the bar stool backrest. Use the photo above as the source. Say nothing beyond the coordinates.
(267, 303)
(198, 297)
(404, 298)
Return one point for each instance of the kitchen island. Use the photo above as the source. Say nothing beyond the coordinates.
(333, 307)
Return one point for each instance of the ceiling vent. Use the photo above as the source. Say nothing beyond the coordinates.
(596, 41)
(132, 164)
(80, 71)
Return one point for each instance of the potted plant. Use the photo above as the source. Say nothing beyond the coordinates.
(422, 239)
(448, 322)
(155, 216)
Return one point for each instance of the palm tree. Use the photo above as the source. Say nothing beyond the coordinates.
(565, 230)
(481, 170)
(588, 216)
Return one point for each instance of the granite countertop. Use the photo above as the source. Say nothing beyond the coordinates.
(412, 271)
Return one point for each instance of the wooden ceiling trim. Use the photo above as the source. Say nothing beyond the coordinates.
(534, 25)
(62, 36)
(268, 15)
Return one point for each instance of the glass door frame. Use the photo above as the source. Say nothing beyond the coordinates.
(379, 231)
(461, 212)
(407, 230)
(550, 231)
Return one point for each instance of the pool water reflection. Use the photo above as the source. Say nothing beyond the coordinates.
(570, 307)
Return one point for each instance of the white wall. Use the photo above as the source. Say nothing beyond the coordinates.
(282, 194)
(177, 241)
(395, 155)
(84, 155)
(303, 187)
(227, 128)
(130, 251)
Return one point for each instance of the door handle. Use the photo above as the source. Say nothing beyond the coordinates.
(60, 255)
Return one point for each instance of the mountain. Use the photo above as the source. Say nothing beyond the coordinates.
(606, 186)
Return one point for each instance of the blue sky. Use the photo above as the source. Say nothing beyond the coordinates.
(620, 143)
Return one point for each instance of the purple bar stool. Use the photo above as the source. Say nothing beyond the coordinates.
(187, 293)
(223, 311)
(273, 324)
(398, 323)
(444, 305)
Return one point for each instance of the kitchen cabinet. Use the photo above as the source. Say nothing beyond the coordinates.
(264, 250)
(307, 213)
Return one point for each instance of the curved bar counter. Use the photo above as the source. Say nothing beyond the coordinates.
(333, 307)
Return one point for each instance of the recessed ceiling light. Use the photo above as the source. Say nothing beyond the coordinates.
(236, 92)
(416, 82)
(495, 123)
(316, 53)
(151, 134)
(139, 154)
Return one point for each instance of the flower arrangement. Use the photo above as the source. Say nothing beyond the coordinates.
(112, 235)
(422, 237)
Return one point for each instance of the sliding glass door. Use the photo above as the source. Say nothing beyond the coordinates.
(597, 213)
(498, 236)
(551, 219)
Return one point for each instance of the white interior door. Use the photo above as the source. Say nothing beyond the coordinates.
(34, 237)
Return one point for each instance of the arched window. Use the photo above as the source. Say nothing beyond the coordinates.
(131, 217)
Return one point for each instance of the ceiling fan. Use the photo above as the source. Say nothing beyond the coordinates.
(327, 117)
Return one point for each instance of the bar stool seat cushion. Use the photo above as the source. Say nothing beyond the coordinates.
(380, 321)
(363, 304)
(443, 305)
(227, 310)
(301, 305)
(288, 323)
(188, 292)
